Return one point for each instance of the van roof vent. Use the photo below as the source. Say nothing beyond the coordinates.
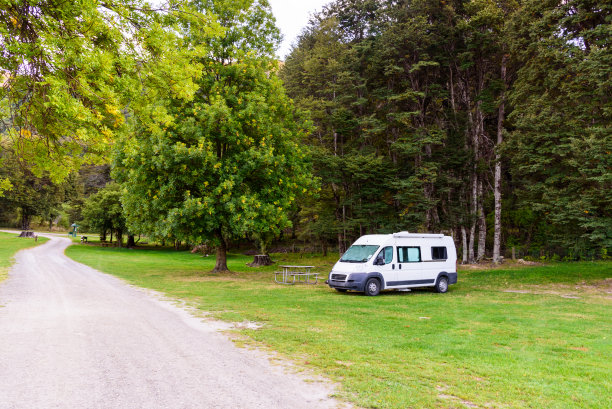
(406, 234)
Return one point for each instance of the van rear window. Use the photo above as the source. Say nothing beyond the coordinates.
(438, 253)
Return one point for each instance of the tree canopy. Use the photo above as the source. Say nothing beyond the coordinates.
(103, 213)
(71, 74)
(472, 117)
(227, 163)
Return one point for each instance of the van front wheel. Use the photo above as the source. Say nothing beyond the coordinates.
(442, 285)
(372, 287)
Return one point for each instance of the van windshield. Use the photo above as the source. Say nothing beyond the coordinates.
(358, 254)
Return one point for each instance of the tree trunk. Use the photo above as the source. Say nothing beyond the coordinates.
(471, 258)
(103, 235)
(130, 241)
(111, 236)
(464, 245)
(497, 183)
(482, 225)
(263, 243)
(221, 260)
(25, 220)
(343, 227)
(261, 260)
(335, 143)
(476, 123)
(119, 238)
(474, 219)
(432, 219)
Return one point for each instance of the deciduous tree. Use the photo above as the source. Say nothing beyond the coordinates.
(71, 73)
(226, 164)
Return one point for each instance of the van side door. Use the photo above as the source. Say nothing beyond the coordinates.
(384, 263)
(410, 267)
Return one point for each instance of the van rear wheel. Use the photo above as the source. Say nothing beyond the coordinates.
(442, 285)
(372, 287)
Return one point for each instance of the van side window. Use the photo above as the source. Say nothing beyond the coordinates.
(385, 255)
(408, 254)
(388, 251)
(438, 253)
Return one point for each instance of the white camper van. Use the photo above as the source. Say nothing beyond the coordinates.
(396, 261)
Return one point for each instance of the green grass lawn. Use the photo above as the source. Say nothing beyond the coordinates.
(535, 347)
(11, 244)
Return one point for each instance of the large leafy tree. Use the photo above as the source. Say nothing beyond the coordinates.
(103, 213)
(31, 195)
(71, 72)
(226, 164)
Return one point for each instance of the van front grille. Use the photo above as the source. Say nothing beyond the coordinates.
(338, 277)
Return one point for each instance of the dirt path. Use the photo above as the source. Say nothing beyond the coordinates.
(72, 337)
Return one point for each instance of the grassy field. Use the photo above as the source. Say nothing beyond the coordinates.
(515, 337)
(11, 244)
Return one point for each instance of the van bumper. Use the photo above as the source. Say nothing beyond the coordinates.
(355, 281)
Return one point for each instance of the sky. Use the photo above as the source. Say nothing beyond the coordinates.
(291, 17)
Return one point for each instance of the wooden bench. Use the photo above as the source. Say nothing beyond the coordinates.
(292, 274)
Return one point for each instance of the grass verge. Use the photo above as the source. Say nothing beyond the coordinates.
(520, 337)
(11, 244)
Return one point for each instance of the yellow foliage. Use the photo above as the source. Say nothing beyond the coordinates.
(107, 133)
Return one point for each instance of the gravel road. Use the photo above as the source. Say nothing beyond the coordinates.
(72, 337)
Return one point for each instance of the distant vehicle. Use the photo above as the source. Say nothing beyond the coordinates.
(395, 261)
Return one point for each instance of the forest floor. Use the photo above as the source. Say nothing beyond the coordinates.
(513, 336)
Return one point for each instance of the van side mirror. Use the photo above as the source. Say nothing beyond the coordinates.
(379, 261)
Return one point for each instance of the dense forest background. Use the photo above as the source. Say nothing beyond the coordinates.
(488, 120)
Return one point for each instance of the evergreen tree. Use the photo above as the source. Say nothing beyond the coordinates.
(562, 99)
(415, 86)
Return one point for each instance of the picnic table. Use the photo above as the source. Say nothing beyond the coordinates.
(290, 274)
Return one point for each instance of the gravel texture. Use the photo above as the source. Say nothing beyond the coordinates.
(72, 337)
